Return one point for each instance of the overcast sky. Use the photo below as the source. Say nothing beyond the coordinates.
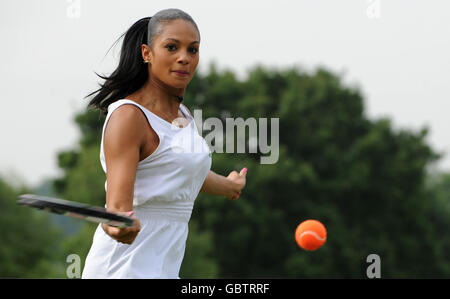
(397, 51)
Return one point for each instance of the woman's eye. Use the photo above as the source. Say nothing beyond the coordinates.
(171, 47)
(193, 50)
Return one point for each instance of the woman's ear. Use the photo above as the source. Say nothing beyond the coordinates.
(146, 54)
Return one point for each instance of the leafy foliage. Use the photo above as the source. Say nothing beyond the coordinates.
(28, 238)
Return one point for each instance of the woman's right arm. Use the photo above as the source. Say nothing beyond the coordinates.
(122, 142)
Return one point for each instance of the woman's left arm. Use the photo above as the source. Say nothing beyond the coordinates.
(229, 186)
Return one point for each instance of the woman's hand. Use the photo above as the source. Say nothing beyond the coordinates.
(124, 235)
(238, 183)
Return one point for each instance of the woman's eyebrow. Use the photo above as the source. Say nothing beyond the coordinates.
(177, 41)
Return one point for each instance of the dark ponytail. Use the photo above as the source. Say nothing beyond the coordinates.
(130, 74)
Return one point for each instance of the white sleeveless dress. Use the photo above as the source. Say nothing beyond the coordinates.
(167, 183)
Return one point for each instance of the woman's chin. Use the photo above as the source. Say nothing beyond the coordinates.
(178, 84)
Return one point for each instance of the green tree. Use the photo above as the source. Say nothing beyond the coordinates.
(29, 242)
(361, 178)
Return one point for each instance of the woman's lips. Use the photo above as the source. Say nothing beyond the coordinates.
(181, 73)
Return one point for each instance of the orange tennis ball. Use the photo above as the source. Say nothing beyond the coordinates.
(310, 234)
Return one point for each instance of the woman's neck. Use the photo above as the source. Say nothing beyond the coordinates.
(160, 98)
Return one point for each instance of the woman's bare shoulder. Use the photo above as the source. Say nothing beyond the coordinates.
(126, 124)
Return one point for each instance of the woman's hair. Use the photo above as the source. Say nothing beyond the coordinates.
(132, 72)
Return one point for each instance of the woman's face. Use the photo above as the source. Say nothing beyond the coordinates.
(175, 53)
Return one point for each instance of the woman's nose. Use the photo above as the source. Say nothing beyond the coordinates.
(183, 58)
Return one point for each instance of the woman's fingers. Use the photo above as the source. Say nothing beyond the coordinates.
(124, 235)
(236, 195)
(127, 235)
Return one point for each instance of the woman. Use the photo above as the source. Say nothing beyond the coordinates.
(146, 178)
